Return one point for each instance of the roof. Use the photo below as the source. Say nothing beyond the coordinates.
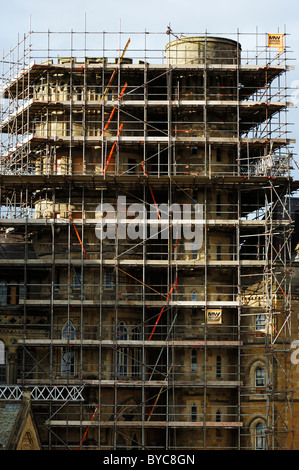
(8, 415)
(18, 430)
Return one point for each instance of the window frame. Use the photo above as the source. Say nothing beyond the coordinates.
(68, 361)
(3, 368)
(261, 378)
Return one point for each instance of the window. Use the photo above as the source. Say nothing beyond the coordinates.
(194, 296)
(136, 353)
(79, 93)
(68, 361)
(218, 204)
(218, 155)
(260, 440)
(193, 360)
(56, 280)
(58, 165)
(68, 331)
(193, 413)
(3, 293)
(2, 363)
(218, 420)
(77, 279)
(260, 322)
(218, 367)
(122, 332)
(260, 377)
(194, 250)
(108, 280)
(68, 355)
(22, 290)
(219, 252)
(122, 353)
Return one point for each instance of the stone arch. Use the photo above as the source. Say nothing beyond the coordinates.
(253, 367)
(256, 423)
(128, 410)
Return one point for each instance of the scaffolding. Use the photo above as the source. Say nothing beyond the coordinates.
(144, 341)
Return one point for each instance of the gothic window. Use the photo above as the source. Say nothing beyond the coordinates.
(108, 280)
(194, 360)
(194, 296)
(260, 377)
(68, 331)
(77, 279)
(260, 441)
(68, 353)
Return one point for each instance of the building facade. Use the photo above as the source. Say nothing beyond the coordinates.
(146, 243)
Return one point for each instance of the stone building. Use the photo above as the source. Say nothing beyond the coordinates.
(145, 267)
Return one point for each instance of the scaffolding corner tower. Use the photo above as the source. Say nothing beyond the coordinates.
(145, 227)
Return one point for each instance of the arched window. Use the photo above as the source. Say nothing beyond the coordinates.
(68, 331)
(77, 279)
(122, 353)
(136, 353)
(218, 367)
(122, 332)
(68, 355)
(2, 363)
(194, 296)
(194, 360)
(260, 440)
(260, 377)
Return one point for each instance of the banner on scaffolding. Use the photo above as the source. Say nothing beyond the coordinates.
(276, 40)
(214, 316)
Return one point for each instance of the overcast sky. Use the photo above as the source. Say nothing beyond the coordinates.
(184, 16)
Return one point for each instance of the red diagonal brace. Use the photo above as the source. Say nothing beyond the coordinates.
(113, 147)
(162, 310)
